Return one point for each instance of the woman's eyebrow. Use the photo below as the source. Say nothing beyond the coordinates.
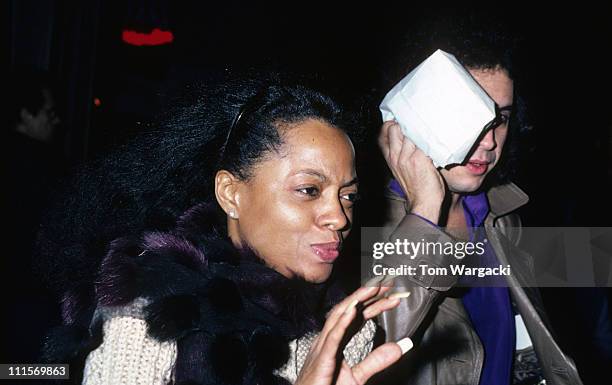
(350, 182)
(314, 173)
(323, 178)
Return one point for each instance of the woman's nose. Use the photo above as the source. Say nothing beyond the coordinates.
(334, 217)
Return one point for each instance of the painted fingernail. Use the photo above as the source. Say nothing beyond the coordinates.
(374, 281)
(373, 299)
(405, 344)
(399, 295)
(351, 305)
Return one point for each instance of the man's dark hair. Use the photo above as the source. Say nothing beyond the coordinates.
(479, 40)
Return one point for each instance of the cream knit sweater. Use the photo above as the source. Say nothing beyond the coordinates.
(128, 355)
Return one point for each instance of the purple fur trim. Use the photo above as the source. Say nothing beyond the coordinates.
(155, 240)
(118, 274)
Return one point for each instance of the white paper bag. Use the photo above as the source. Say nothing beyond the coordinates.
(440, 107)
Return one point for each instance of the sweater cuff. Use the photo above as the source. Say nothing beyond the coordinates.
(128, 355)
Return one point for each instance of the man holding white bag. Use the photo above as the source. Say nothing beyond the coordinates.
(445, 131)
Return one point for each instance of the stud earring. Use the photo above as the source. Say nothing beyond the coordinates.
(232, 214)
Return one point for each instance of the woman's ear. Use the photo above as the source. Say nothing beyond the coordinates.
(226, 192)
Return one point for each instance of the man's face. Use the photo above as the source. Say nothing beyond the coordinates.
(469, 177)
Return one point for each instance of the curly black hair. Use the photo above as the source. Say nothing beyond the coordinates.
(479, 40)
(149, 182)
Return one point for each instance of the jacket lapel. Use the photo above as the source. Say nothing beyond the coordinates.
(503, 200)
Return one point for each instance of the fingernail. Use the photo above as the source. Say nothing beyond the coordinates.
(387, 280)
(372, 300)
(351, 305)
(401, 294)
(374, 281)
(405, 344)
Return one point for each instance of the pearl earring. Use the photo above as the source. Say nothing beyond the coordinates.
(232, 214)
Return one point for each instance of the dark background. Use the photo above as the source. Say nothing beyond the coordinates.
(566, 166)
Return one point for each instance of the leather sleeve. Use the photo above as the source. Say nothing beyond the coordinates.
(425, 290)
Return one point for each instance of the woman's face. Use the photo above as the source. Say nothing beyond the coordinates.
(297, 207)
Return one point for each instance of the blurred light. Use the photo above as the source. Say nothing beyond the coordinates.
(97, 102)
(155, 37)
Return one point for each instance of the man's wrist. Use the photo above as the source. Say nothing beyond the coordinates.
(430, 213)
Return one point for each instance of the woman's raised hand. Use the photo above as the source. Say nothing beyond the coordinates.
(322, 363)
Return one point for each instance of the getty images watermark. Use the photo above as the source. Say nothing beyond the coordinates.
(528, 257)
(405, 248)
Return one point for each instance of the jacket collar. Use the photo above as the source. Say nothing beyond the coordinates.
(505, 198)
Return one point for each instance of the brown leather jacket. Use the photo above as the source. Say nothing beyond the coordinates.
(447, 350)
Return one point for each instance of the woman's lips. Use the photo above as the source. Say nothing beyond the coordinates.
(477, 167)
(327, 252)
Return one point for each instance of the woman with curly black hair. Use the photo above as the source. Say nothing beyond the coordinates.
(202, 252)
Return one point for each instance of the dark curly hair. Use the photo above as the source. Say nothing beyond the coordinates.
(479, 40)
(148, 183)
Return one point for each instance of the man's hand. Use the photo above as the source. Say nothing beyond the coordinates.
(423, 184)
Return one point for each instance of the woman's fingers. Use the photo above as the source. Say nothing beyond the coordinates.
(380, 306)
(360, 295)
(367, 296)
(324, 352)
(339, 319)
(330, 342)
(380, 359)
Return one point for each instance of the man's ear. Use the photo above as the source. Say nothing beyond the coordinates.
(226, 192)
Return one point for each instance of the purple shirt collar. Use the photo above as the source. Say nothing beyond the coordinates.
(476, 207)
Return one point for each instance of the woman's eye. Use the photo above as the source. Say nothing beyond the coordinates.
(504, 118)
(310, 191)
(351, 197)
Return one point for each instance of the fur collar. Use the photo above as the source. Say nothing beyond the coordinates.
(231, 315)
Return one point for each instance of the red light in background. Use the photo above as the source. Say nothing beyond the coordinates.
(97, 102)
(155, 37)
